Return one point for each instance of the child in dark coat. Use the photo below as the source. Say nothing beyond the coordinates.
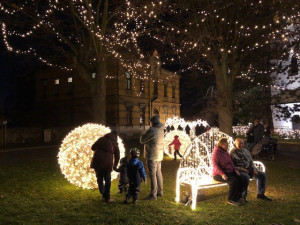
(123, 179)
(136, 173)
(177, 145)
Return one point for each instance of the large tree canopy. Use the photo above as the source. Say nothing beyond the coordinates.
(74, 35)
(230, 39)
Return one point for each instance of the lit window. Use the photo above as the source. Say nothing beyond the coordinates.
(56, 81)
(142, 115)
(128, 81)
(94, 75)
(70, 86)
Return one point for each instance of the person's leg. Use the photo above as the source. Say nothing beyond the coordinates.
(261, 183)
(136, 192)
(152, 167)
(107, 179)
(159, 180)
(179, 153)
(99, 175)
(130, 192)
(245, 179)
(235, 187)
(175, 155)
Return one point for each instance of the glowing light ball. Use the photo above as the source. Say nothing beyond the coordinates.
(184, 138)
(75, 155)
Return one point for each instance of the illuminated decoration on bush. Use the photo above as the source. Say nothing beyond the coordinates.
(184, 139)
(281, 133)
(75, 155)
(196, 166)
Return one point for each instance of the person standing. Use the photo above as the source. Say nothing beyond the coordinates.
(136, 174)
(225, 172)
(242, 160)
(153, 151)
(258, 131)
(106, 157)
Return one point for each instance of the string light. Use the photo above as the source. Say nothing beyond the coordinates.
(75, 155)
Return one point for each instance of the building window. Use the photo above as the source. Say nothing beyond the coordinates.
(165, 90)
(93, 75)
(129, 115)
(155, 88)
(56, 87)
(142, 115)
(142, 86)
(174, 111)
(173, 91)
(128, 81)
(45, 85)
(70, 85)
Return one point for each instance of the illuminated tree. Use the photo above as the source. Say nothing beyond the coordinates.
(74, 35)
(231, 38)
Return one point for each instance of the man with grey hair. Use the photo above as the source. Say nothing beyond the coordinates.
(243, 162)
(153, 151)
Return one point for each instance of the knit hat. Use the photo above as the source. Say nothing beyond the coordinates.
(155, 119)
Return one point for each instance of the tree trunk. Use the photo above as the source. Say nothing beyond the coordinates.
(98, 93)
(224, 99)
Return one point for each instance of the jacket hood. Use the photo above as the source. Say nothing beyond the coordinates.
(111, 136)
(155, 119)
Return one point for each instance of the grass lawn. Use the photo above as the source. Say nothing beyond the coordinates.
(37, 193)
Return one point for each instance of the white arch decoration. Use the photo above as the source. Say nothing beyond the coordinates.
(185, 139)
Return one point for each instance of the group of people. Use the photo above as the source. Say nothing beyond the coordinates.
(236, 168)
(107, 155)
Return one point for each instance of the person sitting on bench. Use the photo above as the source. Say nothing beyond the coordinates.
(242, 160)
(224, 171)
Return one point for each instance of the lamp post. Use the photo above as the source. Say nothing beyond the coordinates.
(4, 133)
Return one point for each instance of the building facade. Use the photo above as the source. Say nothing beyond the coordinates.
(132, 98)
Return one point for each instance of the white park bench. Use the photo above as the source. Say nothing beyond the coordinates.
(196, 166)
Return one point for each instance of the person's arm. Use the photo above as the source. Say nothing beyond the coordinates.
(215, 162)
(147, 137)
(172, 143)
(142, 170)
(116, 156)
(95, 145)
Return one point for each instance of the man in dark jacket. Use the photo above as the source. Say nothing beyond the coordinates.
(258, 131)
(106, 157)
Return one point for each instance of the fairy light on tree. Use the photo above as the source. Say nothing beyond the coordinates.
(208, 31)
(77, 35)
(75, 155)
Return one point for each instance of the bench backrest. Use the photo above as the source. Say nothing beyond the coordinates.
(197, 157)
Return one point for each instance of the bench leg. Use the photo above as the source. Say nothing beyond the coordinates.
(194, 196)
(177, 188)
